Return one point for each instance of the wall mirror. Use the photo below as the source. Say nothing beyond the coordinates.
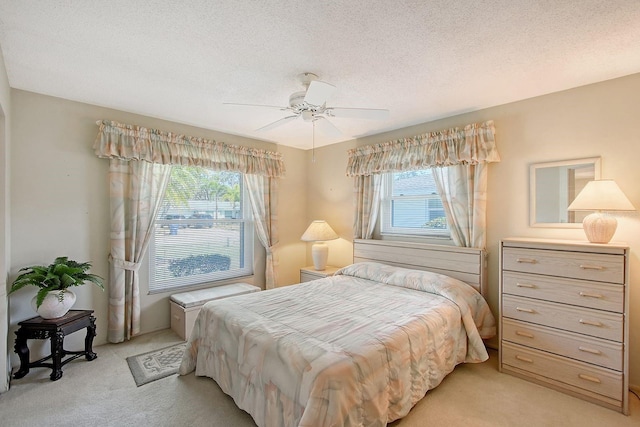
(553, 186)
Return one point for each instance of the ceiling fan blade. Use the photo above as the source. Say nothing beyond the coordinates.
(326, 127)
(318, 92)
(277, 123)
(257, 105)
(358, 113)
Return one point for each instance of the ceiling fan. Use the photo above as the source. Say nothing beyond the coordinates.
(310, 105)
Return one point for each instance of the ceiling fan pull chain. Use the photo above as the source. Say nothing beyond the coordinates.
(313, 142)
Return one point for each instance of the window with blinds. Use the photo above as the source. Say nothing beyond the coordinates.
(203, 231)
(411, 206)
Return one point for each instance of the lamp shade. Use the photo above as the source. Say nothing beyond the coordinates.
(601, 195)
(319, 231)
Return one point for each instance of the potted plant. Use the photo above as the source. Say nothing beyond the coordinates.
(54, 299)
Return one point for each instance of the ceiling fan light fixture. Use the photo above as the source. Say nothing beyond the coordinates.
(307, 115)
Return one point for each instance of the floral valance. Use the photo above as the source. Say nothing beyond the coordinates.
(473, 144)
(130, 142)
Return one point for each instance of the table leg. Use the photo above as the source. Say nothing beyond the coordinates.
(88, 341)
(23, 352)
(57, 342)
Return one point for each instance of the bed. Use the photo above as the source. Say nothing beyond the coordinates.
(359, 348)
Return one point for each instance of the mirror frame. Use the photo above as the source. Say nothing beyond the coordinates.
(532, 189)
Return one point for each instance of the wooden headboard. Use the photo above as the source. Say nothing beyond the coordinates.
(465, 264)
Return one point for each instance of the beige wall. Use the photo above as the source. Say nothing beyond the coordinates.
(292, 217)
(5, 253)
(331, 199)
(60, 202)
(51, 158)
(595, 120)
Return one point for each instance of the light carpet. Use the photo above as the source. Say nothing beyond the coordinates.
(102, 393)
(156, 364)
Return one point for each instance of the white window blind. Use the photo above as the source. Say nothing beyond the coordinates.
(411, 205)
(203, 232)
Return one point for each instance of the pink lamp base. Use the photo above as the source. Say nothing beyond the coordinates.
(599, 227)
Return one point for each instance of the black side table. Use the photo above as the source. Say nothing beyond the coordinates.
(56, 329)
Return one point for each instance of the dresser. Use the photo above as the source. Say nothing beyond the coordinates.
(308, 274)
(563, 317)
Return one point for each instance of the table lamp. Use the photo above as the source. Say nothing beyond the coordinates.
(318, 232)
(600, 196)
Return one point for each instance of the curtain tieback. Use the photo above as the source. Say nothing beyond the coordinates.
(125, 265)
(271, 249)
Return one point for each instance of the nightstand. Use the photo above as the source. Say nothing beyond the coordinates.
(55, 329)
(308, 274)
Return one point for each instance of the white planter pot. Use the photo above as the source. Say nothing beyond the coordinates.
(52, 307)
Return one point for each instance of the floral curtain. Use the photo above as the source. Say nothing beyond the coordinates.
(460, 153)
(136, 189)
(140, 160)
(262, 194)
(367, 204)
(463, 191)
(129, 142)
(473, 144)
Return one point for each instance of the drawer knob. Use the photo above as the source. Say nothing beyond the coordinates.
(590, 322)
(589, 350)
(526, 260)
(591, 267)
(527, 310)
(524, 334)
(524, 359)
(525, 285)
(589, 378)
(590, 295)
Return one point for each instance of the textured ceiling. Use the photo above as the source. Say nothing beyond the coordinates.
(422, 60)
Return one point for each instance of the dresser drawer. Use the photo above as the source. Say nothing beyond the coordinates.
(587, 349)
(588, 266)
(601, 296)
(579, 374)
(576, 319)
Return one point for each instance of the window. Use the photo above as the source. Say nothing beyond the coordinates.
(203, 231)
(411, 205)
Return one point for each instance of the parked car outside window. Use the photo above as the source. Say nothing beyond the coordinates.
(172, 217)
(200, 224)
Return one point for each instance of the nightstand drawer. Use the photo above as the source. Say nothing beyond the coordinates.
(581, 320)
(588, 266)
(587, 349)
(588, 377)
(308, 274)
(601, 296)
(307, 277)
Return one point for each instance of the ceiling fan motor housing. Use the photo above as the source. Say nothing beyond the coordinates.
(299, 106)
(296, 100)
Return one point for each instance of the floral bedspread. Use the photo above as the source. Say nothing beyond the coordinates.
(360, 348)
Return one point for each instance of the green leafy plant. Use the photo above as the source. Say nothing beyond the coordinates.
(440, 222)
(58, 276)
(199, 264)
